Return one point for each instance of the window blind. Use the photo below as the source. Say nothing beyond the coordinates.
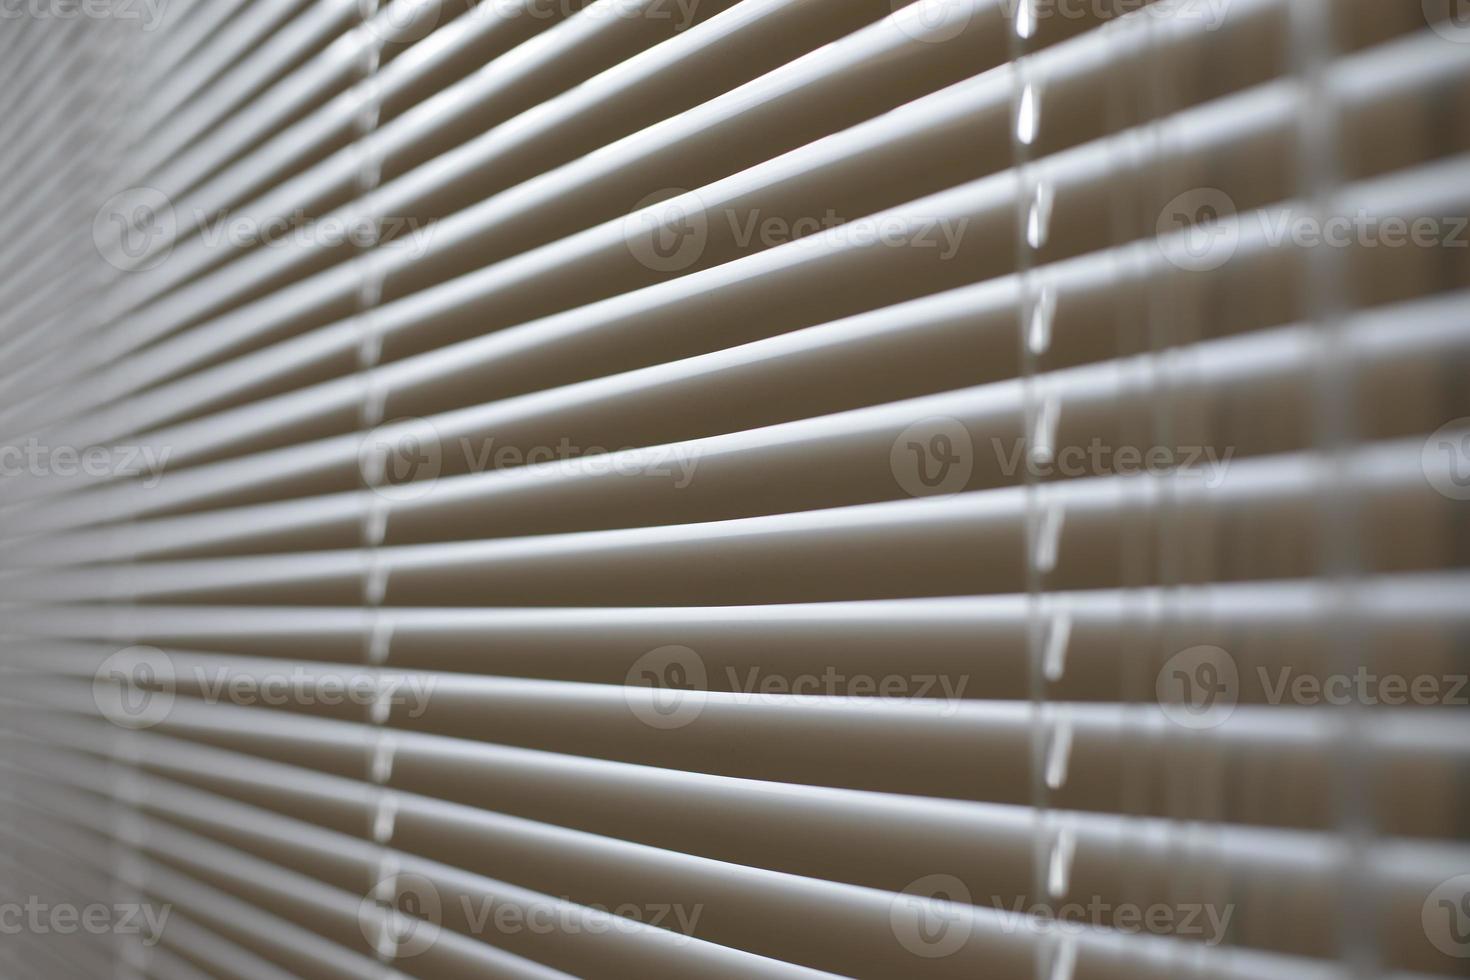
(735, 488)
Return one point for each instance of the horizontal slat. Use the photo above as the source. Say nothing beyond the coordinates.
(974, 750)
(631, 947)
(65, 851)
(277, 938)
(211, 951)
(52, 854)
(338, 456)
(316, 26)
(1074, 77)
(887, 842)
(186, 37)
(1407, 626)
(429, 691)
(724, 888)
(995, 90)
(222, 53)
(871, 551)
(1252, 381)
(294, 147)
(511, 80)
(88, 952)
(856, 67)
